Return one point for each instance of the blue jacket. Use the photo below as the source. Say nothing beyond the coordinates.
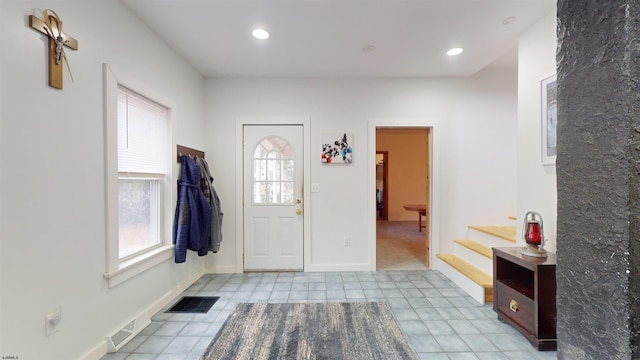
(192, 222)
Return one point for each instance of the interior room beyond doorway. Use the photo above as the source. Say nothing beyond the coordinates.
(402, 177)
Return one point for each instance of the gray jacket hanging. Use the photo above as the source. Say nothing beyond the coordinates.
(206, 184)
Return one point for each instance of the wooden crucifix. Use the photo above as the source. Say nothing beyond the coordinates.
(51, 26)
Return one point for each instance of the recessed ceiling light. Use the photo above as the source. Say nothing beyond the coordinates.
(509, 20)
(455, 51)
(260, 34)
(369, 48)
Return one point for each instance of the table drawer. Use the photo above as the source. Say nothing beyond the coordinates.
(515, 306)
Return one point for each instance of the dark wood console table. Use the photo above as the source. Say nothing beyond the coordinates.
(524, 294)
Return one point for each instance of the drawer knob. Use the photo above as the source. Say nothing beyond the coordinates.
(513, 305)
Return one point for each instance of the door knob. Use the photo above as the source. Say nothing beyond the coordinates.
(298, 201)
(299, 211)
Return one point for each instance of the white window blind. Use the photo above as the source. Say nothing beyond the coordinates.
(142, 134)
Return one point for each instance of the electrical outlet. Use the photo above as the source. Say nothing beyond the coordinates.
(52, 321)
(347, 241)
(315, 188)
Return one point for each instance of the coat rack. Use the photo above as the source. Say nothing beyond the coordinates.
(183, 150)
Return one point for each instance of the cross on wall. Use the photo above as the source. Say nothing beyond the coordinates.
(51, 26)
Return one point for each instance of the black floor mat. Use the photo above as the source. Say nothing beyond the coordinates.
(194, 304)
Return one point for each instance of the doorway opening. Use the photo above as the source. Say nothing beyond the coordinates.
(402, 183)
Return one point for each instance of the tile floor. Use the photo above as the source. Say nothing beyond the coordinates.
(439, 320)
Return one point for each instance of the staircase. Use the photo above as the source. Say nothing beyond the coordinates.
(470, 265)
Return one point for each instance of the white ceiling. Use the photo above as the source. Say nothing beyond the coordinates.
(325, 38)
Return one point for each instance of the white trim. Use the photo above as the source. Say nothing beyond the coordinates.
(434, 186)
(100, 350)
(138, 264)
(371, 184)
(220, 269)
(118, 271)
(157, 306)
(239, 190)
(111, 165)
(340, 267)
(141, 88)
(97, 352)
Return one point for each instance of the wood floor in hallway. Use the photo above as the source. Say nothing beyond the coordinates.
(400, 246)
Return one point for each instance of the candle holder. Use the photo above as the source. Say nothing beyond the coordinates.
(533, 234)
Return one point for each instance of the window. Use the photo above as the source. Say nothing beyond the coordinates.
(143, 149)
(138, 129)
(138, 215)
(273, 172)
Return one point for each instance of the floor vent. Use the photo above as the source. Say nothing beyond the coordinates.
(194, 304)
(121, 337)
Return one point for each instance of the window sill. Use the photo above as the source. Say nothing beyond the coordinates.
(139, 264)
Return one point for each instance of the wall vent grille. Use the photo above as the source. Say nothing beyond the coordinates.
(121, 337)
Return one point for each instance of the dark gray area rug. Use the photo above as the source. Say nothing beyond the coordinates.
(310, 331)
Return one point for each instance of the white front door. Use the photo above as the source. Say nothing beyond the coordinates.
(273, 178)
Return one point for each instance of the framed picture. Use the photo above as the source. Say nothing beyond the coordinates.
(337, 148)
(549, 120)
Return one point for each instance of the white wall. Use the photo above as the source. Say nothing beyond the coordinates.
(476, 128)
(536, 182)
(52, 250)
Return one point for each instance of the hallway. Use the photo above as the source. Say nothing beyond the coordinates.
(400, 246)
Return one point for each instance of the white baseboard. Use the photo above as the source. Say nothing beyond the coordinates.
(168, 297)
(222, 269)
(100, 349)
(340, 267)
(97, 352)
(228, 269)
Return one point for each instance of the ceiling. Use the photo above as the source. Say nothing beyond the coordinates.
(326, 38)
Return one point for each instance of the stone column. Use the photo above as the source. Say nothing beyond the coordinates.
(598, 174)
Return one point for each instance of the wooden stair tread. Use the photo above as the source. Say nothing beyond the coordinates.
(476, 247)
(468, 270)
(504, 232)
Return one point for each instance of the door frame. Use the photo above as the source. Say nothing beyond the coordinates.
(239, 181)
(385, 184)
(434, 181)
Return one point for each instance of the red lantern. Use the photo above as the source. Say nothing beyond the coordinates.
(533, 235)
